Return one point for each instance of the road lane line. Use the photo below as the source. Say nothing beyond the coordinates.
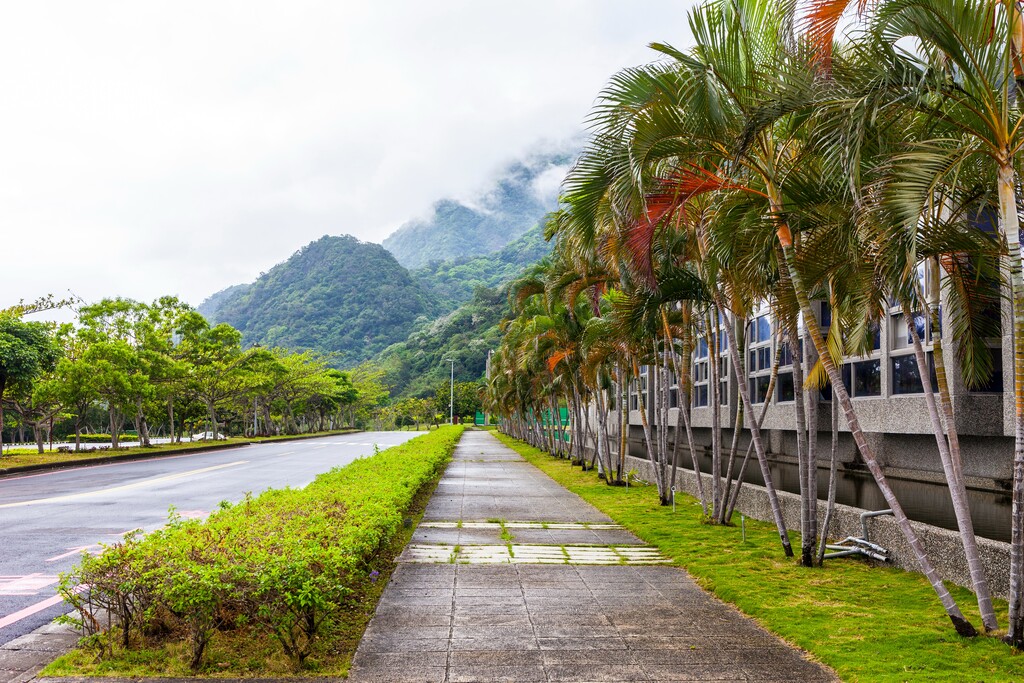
(30, 610)
(71, 551)
(125, 487)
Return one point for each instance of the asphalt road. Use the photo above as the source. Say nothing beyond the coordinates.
(48, 520)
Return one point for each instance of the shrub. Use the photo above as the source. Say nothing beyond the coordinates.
(284, 561)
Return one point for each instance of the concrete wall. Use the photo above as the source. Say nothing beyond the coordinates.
(942, 545)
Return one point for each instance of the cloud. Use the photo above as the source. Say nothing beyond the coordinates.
(181, 147)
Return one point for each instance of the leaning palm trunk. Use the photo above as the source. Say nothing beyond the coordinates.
(960, 623)
(760, 421)
(957, 488)
(623, 423)
(1010, 224)
(683, 414)
(755, 436)
(716, 413)
(833, 468)
(736, 428)
(651, 450)
(799, 411)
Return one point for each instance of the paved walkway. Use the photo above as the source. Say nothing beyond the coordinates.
(510, 577)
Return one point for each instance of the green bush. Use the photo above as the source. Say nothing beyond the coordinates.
(284, 561)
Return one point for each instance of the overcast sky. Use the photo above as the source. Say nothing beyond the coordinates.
(151, 148)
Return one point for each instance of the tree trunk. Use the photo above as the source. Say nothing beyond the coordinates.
(714, 386)
(955, 482)
(799, 412)
(760, 421)
(833, 469)
(755, 435)
(115, 428)
(960, 623)
(651, 454)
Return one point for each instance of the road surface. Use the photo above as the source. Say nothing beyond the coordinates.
(48, 520)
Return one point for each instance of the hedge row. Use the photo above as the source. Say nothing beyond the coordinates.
(284, 561)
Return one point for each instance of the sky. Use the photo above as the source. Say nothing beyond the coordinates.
(152, 148)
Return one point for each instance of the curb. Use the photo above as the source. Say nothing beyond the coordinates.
(129, 457)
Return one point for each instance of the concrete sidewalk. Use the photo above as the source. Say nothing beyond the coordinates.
(510, 577)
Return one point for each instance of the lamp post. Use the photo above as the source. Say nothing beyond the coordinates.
(451, 388)
(255, 411)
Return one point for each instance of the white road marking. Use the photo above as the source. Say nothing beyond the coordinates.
(26, 585)
(126, 487)
(71, 551)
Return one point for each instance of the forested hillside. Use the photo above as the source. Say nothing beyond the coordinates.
(336, 294)
(520, 197)
(452, 283)
(416, 366)
(356, 300)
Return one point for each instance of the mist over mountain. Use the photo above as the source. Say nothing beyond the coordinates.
(522, 194)
(359, 301)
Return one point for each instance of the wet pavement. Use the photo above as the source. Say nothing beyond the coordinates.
(511, 577)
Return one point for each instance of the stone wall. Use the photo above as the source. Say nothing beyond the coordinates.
(942, 545)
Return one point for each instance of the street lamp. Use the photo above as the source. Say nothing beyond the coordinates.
(451, 387)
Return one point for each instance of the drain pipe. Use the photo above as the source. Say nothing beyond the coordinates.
(865, 516)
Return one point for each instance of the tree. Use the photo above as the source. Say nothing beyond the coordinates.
(467, 398)
(27, 350)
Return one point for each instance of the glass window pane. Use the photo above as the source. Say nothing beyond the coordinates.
(700, 395)
(785, 355)
(868, 378)
(846, 376)
(764, 329)
(673, 398)
(905, 376)
(784, 387)
(702, 348)
(766, 358)
(826, 314)
(723, 393)
(753, 362)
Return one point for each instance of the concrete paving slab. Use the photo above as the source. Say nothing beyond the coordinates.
(529, 616)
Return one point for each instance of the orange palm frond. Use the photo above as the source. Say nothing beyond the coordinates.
(555, 358)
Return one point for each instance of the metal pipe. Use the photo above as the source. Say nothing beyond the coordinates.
(864, 520)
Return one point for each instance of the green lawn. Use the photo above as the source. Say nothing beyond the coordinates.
(868, 623)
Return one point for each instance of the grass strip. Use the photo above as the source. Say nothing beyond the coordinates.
(11, 460)
(869, 623)
(280, 584)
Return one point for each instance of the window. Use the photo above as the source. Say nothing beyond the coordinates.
(906, 378)
(700, 375)
(784, 390)
(994, 385)
(867, 378)
(760, 358)
(723, 381)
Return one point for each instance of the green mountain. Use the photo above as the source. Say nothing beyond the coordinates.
(523, 193)
(452, 283)
(418, 365)
(336, 294)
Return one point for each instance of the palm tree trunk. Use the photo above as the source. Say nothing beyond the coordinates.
(716, 413)
(683, 414)
(1010, 223)
(799, 412)
(832, 473)
(957, 487)
(755, 436)
(960, 623)
(812, 455)
(760, 421)
(651, 455)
